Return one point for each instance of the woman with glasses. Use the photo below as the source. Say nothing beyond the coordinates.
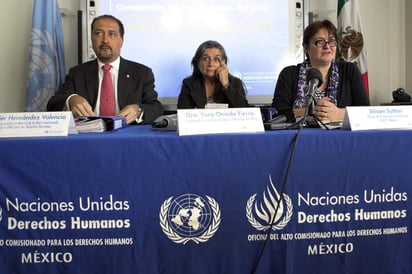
(341, 84)
(211, 81)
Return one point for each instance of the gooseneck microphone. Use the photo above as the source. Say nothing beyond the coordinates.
(314, 80)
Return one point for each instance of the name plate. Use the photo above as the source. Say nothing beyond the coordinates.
(378, 117)
(36, 124)
(211, 121)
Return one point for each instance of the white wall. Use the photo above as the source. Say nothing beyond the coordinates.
(15, 25)
(384, 23)
(69, 24)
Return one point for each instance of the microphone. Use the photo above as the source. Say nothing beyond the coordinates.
(289, 114)
(165, 122)
(278, 119)
(283, 116)
(314, 79)
(285, 119)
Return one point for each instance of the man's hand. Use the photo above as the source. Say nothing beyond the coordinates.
(131, 112)
(80, 107)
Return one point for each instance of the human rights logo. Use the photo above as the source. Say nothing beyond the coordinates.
(272, 211)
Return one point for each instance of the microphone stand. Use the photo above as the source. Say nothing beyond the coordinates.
(310, 119)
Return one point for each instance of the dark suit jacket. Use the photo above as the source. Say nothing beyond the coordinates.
(193, 93)
(135, 86)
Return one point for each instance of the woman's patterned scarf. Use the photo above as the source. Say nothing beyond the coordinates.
(302, 88)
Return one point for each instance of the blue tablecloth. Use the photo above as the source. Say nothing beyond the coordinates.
(142, 201)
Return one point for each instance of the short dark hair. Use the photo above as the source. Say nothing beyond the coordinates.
(201, 49)
(107, 16)
(314, 27)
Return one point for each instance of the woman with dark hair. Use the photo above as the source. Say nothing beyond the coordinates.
(342, 82)
(211, 81)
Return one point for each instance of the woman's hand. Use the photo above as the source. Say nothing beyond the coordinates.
(325, 110)
(222, 73)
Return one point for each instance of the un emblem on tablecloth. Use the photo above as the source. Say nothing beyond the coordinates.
(189, 217)
(270, 211)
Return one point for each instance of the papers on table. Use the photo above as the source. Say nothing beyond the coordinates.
(99, 123)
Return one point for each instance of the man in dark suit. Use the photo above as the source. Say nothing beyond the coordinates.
(133, 83)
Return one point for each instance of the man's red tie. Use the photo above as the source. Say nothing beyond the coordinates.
(107, 101)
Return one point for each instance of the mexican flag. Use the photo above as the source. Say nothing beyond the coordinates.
(351, 43)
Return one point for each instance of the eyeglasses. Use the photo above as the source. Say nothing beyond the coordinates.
(320, 43)
(207, 59)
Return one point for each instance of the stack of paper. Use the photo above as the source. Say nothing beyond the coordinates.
(99, 124)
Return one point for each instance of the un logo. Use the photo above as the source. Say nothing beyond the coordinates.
(189, 217)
